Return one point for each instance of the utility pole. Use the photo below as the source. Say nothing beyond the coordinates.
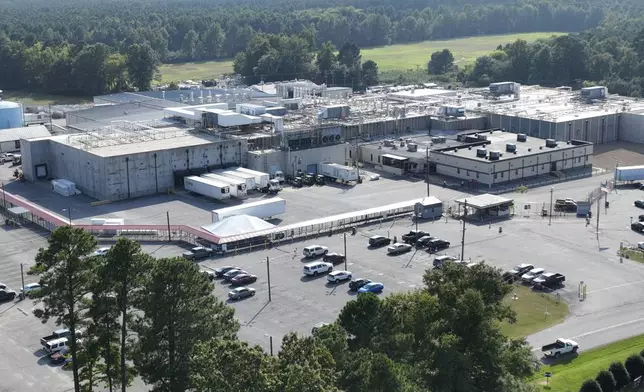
(22, 276)
(69, 213)
(427, 166)
(552, 190)
(598, 213)
(51, 121)
(268, 272)
(167, 216)
(4, 197)
(345, 252)
(463, 234)
(270, 339)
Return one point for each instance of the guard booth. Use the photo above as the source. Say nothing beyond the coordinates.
(485, 206)
(428, 208)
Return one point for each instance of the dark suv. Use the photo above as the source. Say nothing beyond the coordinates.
(413, 236)
(7, 295)
(356, 284)
(334, 258)
(378, 240)
(437, 244)
(197, 253)
(637, 226)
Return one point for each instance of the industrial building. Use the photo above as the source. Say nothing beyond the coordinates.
(10, 139)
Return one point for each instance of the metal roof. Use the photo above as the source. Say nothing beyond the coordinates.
(395, 157)
(483, 201)
(12, 134)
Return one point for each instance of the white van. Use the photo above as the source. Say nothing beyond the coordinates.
(55, 345)
(316, 268)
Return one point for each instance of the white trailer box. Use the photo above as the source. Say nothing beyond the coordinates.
(339, 172)
(237, 186)
(261, 178)
(629, 173)
(207, 187)
(250, 180)
(264, 209)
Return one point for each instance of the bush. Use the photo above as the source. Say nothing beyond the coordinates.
(635, 366)
(606, 381)
(621, 375)
(590, 386)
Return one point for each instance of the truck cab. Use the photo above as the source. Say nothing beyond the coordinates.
(273, 187)
(279, 176)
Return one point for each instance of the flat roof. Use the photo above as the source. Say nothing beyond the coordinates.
(498, 140)
(12, 134)
(395, 157)
(483, 201)
(430, 201)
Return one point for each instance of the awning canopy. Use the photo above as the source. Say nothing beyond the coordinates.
(484, 201)
(238, 224)
(394, 157)
(18, 210)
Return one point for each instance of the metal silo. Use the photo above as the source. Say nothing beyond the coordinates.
(10, 115)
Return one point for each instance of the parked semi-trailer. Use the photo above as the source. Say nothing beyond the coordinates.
(207, 187)
(264, 209)
(237, 185)
(249, 179)
(338, 172)
(261, 179)
(629, 173)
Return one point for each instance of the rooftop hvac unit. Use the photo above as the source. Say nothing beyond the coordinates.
(481, 152)
(551, 143)
(510, 147)
(481, 137)
(412, 147)
(438, 139)
(596, 92)
(495, 155)
(522, 137)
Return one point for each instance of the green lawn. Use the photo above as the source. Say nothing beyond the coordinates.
(392, 57)
(569, 373)
(634, 254)
(41, 99)
(535, 312)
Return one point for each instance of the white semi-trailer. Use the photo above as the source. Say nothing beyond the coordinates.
(237, 185)
(629, 173)
(264, 209)
(248, 178)
(261, 179)
(207, 187)
(338, 172)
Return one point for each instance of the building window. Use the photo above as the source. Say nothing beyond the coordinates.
(501, 174)
(467, 173)
(371, 157)
(542, 167)
(458, 171)
(495, 176)
(477, 175)
(17, 142)
(586, 158)
(532, 168)
(378, 158)
(516, 172)
(579, 159)
(349, 153)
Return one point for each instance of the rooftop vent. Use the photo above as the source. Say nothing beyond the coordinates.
(471, 139)
(412, 147)
(481, 152)
(551, 143)
(495, 155)
(511, 147)
(481, 137)
(438, 139)
(522, 137)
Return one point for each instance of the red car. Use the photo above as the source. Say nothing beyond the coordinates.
(243, 279)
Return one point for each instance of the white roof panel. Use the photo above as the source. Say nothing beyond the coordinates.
(12, 134)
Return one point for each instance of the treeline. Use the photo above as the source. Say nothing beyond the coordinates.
(200, 30)
(612, 56)
(75, 69)
(158, 319)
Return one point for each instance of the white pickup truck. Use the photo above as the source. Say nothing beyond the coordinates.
(560, 347)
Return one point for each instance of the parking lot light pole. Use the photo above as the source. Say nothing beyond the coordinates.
(22, 277)
(268, 271)
(69, 214)
(345, 251)
(270, 340)
(552, 190)
(463, 235)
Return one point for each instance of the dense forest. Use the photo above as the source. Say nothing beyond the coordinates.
(95, 47)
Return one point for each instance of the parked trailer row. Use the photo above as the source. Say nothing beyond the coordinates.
(338, 172)
(264, 209)
(207, 187)
(238, 187)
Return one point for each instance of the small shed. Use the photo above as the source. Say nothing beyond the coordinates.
(428, 208)
(10, 138)
(487, 204)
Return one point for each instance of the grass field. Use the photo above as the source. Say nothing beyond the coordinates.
(392, 57)
(569, 373)
(40, 99)
(535, 312)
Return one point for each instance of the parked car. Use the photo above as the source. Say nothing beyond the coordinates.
(640, 218)
(228, 276)
(338, 276)
(241, 292)
(60, 356)
(30, 287)
(637, 226)
(315, 250)
(378, 240)
(516, 272)
(243, 279)
(560, 347)
(334, 258)
(439, 261)
(197, 253)
(373, 287)
(55, 345)
(529, 276)
(640, 245)
(566, 205)
(8, 157)
(3, 286)
(101, 251)
(639, 203)
(549, 279)
(317, 268)
(424, 241)
(398, 248)
(317, 326)
(7, 295)
(356, 284)
(413, 236)
(437, 244)
(210, 275)
(219, 272)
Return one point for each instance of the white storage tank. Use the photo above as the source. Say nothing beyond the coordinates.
(10, 115)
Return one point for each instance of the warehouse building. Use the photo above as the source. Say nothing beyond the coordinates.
(117, 164)
(10, 139)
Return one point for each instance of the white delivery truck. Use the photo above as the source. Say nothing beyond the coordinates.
(207, 187)
(249, 179)
(338, 172)
(264, 209)
(261, 179)
(237, 185)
